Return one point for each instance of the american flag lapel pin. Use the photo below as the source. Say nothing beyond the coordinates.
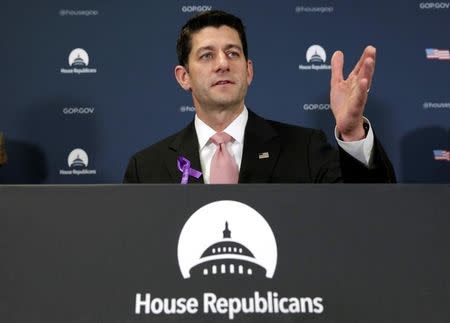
(263, 155)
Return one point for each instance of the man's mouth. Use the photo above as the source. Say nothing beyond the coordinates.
(223, 82)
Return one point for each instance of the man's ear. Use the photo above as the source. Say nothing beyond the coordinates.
(249, 72)
(182, 76)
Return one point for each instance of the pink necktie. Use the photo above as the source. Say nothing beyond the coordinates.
(223, 166)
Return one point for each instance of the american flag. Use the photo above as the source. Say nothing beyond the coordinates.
(441, 155)
(441, 54)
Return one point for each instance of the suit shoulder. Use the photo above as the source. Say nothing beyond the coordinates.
(147, 165)
(286, 129)
(155, 150)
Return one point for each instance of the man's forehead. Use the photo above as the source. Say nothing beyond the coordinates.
(214, 36)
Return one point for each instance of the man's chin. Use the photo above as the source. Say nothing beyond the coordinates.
(226, 104)
(224, 100)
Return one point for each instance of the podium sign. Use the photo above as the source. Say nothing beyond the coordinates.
(239, 253)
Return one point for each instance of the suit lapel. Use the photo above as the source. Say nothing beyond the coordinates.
(261, 151)
(185, 144)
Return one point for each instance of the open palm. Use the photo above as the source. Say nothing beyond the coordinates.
(348, 97)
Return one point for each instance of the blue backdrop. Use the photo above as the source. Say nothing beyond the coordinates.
(126, 97)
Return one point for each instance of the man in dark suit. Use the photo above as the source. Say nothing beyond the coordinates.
(214, 67)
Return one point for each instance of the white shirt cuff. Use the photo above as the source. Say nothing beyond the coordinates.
(360, 149)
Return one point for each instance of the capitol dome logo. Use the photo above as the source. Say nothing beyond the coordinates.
(78, 57)
(316, 54)
(78, 62)
(78, 162)
(316, 58)
(78, 158)
(227, 238)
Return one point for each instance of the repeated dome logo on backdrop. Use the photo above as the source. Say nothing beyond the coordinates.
(316, 58)
(78, 61)
(78, 162)
(78, 57)
(78, 158)
(227, 238)
(316, 54)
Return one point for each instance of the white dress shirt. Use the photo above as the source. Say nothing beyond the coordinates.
(361, 149)
(207, 148)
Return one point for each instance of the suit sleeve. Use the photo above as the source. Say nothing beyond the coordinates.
(328, 165)
(131, 174)
(323, 160)
(379, 171)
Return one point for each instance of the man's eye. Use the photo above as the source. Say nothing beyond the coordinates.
(206, 56)
(233, 54)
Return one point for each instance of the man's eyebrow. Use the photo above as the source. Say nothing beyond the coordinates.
(227, 47)
(204, 48)
(233, 46)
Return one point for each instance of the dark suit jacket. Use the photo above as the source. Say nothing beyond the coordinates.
(296, 155)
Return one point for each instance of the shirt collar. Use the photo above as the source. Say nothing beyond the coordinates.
(235, 129)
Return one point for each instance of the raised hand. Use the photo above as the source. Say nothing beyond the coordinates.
(348, 97)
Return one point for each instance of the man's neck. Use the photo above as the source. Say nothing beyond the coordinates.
(219, 119)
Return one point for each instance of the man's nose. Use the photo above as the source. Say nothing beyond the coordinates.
(222, 62)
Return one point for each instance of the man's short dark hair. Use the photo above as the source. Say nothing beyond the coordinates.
(214, 18)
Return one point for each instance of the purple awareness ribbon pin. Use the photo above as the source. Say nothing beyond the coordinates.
(184, 165)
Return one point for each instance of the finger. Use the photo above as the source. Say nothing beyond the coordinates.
(360, 98)
(367, 71)
(369, 51)
(337, 66)
(370, 58)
